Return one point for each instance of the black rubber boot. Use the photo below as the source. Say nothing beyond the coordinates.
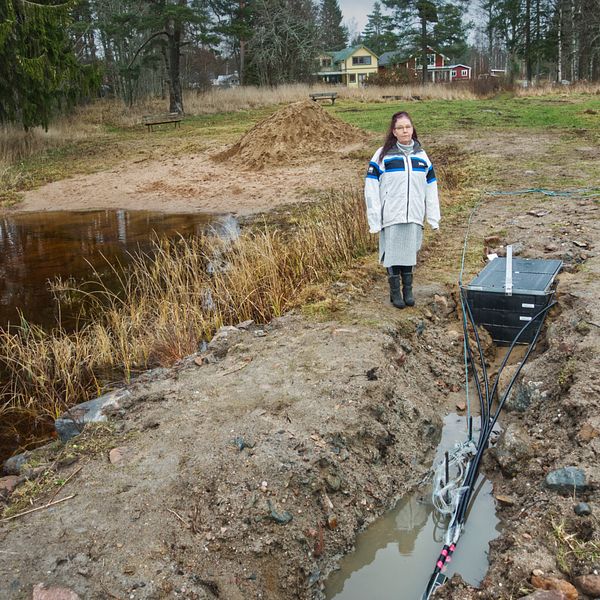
(407, 291)
(394, 281)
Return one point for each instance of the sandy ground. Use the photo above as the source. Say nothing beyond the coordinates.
(196, 183)
(248, 476)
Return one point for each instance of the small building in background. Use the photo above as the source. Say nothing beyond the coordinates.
(350, 66)
(230, 80)
(438, 68)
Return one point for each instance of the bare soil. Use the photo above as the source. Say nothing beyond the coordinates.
(249, 474)
(285, 158)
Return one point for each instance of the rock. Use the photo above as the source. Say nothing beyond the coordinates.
(14, 464)
(240, 442)
(41, 592)
(587, 433)
(120, 455)
(223, 340)
(460, 406)
(553, 583)
(582, 509)
(282, 518)
(545, 595)
(9, 483)
(589, 585)
(441, 306)
(492, 240)
(512, 449)
(332, 522)
(72, 422)
(245, 324)
(550, 247)
(523, 393)
(333, 482)
(567, 480)
(505, 500)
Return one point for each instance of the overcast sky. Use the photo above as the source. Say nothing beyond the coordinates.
(357, 10)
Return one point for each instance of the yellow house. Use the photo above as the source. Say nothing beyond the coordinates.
(349, 66)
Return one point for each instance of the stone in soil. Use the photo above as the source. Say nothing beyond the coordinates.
(589, 585)
(567, 480)
(41, 592)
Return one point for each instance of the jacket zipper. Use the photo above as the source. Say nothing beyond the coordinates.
(407, 184)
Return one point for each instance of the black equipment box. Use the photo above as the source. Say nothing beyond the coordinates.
(503, 300)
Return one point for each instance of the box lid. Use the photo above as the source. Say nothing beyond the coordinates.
(529, 276)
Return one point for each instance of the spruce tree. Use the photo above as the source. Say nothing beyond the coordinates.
(378, 35)
(332, 34)
(39, 72)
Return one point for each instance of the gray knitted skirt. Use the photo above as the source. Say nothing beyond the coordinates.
(399, 244)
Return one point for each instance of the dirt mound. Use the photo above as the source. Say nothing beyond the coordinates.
(299, 130)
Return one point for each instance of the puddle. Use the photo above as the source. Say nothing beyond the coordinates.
(396, 555)
(37, 247)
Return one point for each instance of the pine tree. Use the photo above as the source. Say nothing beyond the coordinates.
(332, 34)
(450, 32)
(378, 35)
(168, 25)
(39, 72)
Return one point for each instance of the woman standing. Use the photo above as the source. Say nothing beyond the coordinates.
(401, 192)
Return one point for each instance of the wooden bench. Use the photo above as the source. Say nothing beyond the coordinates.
(150, 120)
(324, 96)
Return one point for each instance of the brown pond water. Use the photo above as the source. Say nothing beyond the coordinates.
(395, 556)
(36, 248)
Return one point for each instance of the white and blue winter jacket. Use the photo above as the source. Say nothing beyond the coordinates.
(401, 189)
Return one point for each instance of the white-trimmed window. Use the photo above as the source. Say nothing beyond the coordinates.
(464, 73)
(352, 77)
(361, 60)
(453, 73)
(326, 62)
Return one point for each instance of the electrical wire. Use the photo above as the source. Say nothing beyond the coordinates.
(452, 496)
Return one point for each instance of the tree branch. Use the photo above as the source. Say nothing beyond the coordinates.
(145, 44)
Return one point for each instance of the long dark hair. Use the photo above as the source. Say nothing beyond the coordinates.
(390, 138)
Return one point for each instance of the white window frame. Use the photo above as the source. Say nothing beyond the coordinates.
(453, 73)
(464, 73)
(361, 60)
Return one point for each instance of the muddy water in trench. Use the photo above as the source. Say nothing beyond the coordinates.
(395, 556)
(35, 248)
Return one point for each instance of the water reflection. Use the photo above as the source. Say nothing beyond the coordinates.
(395, 556)
(37, 247)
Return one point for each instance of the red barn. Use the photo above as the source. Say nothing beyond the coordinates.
(438, 69)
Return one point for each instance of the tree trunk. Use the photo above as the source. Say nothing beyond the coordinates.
(559, 72)
(528, 70)
(174, 56)
(424, 48)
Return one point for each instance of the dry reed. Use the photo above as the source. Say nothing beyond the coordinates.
(556, 89)
(171, 300)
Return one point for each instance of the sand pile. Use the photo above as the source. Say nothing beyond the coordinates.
(301, 129)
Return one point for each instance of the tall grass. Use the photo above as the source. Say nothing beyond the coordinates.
(171, 300)
(556, 89)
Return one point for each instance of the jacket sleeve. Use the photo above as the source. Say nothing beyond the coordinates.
(432, 202)
(372, 198)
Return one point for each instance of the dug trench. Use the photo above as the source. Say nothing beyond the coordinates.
(247, 471)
